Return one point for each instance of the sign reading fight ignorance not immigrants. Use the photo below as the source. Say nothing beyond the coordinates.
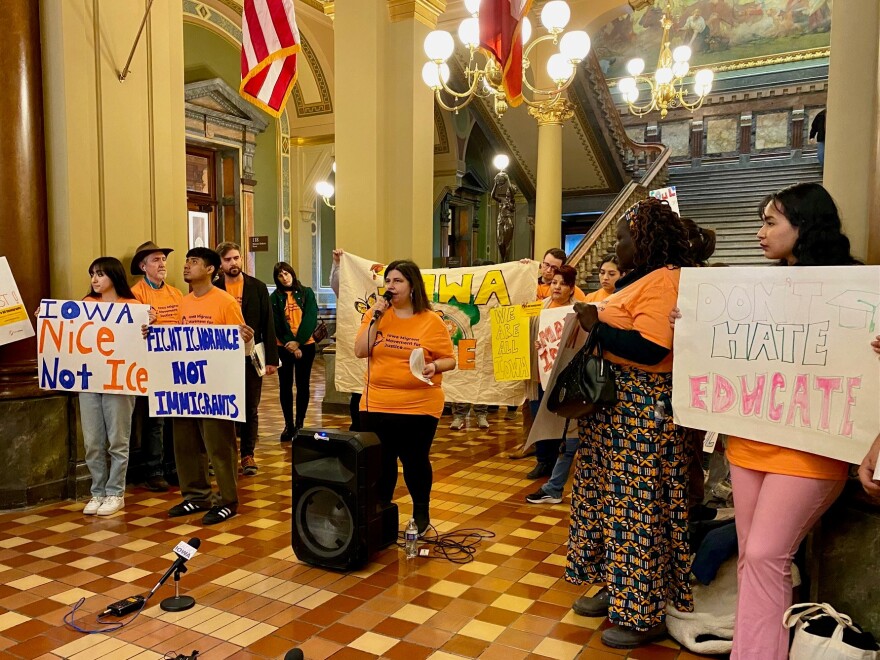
(463, 298)
(86, 346)
(780, 355)
(196, 371)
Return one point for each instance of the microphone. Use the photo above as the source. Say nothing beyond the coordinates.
(388, 296)
(293, 654)
(184, 552)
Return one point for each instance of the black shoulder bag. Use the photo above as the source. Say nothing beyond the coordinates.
(585, 385)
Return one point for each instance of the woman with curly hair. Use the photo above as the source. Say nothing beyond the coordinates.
(629, 511)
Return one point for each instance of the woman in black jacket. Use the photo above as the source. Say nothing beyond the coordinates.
(295, 311)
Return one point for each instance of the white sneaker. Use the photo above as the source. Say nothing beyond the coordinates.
(111, 504)
(457, 423)
(482, 422)
(93, 505)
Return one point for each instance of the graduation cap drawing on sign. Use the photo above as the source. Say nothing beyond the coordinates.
(856, 309)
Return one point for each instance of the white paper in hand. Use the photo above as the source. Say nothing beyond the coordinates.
(877, 472)
(417, 365)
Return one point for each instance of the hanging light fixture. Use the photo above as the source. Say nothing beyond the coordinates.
(667, 86)
(482, 74)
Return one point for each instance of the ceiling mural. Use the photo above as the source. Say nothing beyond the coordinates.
(723, 34)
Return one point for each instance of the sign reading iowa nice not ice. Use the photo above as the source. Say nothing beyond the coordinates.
(780, 355)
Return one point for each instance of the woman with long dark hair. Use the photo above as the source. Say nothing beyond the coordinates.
(400, 408)
(295, 312)
(609, 273)
(629, 512)
(106, 418)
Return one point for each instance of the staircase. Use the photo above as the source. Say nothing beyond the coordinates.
(726, 199)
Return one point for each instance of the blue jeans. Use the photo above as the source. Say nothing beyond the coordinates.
(556, 484)
(106, 426)
(820, 153)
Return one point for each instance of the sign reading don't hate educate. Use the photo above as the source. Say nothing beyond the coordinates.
(780, 355)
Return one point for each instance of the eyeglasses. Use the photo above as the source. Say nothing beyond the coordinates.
(546, 266)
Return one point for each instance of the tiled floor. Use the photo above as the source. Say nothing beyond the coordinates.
(256, 600)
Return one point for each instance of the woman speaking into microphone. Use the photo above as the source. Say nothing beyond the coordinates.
(400, 408)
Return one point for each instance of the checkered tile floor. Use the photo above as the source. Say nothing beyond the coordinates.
(256, 600)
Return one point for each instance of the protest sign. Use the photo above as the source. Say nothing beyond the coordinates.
(196, 371)
(463, 298)
(780, 355)
(15, 322)
(668, 194)
(550, 324)
(87, 346)
(510, 343)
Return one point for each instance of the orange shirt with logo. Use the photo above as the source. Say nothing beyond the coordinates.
(597, 296)
(763, 457)
(294, 314)
(235, 289)
(213, 308)
(390, 385)
(165, 300)
(644, 306)
(544, 292)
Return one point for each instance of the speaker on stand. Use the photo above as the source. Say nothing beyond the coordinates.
(338, 521)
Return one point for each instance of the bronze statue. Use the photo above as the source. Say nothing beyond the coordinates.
(504, 193)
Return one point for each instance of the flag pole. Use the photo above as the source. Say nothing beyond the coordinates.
(124, 73)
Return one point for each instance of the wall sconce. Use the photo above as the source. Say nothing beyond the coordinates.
(326, 190)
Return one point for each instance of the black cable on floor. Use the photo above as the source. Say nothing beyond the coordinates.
(458, 547)
(113, 625)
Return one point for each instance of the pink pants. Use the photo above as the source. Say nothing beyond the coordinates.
(774, 512)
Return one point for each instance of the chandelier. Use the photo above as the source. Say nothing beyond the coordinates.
(667, 86)
(482, 73)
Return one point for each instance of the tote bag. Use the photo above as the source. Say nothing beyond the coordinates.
(823, 633)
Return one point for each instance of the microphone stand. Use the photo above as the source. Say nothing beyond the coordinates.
(176, 603)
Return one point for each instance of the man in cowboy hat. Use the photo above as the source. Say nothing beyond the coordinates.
(149, 261)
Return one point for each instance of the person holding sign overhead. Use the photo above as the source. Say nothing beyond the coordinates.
(193, 436)
(106, 418)
(401, 406)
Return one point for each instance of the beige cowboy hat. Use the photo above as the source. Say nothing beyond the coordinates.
(143, 250)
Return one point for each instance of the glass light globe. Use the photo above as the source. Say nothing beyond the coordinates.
(680, 69)
(575, 45)
(663, 75)
(472, 7)
(439, 45)
(559, 68)
(432, 74)
(626, 85)
(635, 66)
(632, 96)
(526, 32)
(324, 189)
(701, 90)
(469, 32)
(681, 54)
(333, 167)
(555, 15)
(704, 77)
(500, 162)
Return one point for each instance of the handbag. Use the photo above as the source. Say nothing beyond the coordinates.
(823, 633)
(320, 333)
(585, 385)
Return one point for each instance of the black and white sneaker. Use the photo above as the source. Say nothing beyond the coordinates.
(540, 497)
(218, 514)
(187, 507)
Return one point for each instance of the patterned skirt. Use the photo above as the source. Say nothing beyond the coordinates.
(629, 505)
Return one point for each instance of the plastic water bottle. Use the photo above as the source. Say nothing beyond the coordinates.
(411, 539)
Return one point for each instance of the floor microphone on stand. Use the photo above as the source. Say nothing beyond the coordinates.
(184, 552)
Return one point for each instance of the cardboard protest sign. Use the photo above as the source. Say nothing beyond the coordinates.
(780, 355)
(196, 371)
(668, 194)
(86, 346)
(15, 322)
(510, 343)
(463, 298)
(550, 324)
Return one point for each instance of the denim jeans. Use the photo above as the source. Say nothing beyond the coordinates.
(556, 484)
(106, 426)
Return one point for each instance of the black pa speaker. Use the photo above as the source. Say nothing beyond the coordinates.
(338, 522)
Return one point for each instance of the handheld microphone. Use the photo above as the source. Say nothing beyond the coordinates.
(388, 296)
(184, 552)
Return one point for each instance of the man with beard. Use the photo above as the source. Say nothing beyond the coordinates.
(253, 297)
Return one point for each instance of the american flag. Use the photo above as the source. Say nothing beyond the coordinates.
(269, 45)
(500, 28)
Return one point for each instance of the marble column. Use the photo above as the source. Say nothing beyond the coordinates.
(548, 194)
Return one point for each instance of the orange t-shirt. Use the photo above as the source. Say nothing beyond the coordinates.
(598, 295)
(390, 385)
(544, 292)
(294, 315)
(234, 289)
(214, 308)
(644, 306)
(763, 457)
(165, 300)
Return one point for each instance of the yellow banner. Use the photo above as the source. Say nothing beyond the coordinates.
(510, 343)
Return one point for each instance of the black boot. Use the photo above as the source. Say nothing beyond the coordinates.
(288, 433)
(420, 515)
